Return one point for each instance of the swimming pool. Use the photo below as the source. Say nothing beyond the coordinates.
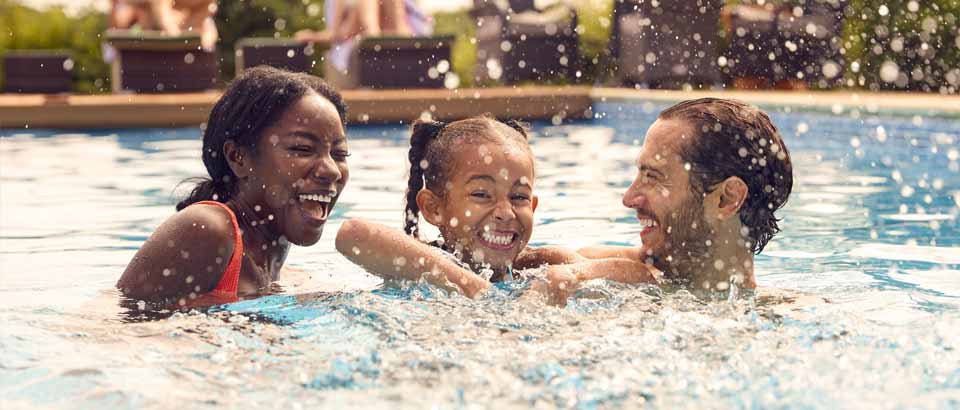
(872, 226)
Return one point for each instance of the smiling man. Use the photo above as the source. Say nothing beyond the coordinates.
(710, 176)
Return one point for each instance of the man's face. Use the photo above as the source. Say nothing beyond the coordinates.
(674, 231)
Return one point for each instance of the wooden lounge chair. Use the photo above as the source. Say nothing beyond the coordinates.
(666, 44)
(288, 54)
(404, 62)
(148, 62)
(522, 43)
(785, 46)
(37, 71)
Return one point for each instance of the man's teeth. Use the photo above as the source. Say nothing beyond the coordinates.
(646, 223)
(498, 239)
(316, 197)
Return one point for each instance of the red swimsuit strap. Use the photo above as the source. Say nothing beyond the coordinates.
(231, 276)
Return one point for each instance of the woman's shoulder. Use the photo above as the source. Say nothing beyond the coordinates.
(187, 253)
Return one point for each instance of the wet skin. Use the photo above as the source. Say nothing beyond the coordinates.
(304, 152)
(671, 215)
(486, 211)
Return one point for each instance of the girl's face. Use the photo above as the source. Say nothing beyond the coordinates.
(299, 170)
(486, 210)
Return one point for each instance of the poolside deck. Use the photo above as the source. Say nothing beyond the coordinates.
(396, 106)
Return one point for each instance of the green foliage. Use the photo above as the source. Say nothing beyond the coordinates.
(460, 24)
(26, 28)
(237, 19)
(902, 44)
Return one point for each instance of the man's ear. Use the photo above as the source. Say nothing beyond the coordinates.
(733, 193)
(534, 201)
(430, 206)
(238, 158)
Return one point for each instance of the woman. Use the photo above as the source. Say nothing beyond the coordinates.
(276, 153)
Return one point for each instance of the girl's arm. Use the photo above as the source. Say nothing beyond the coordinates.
(391, 254)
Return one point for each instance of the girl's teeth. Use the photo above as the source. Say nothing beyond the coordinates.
(497, 239)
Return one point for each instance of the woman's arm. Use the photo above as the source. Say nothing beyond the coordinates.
(185, 257)
(391, 254)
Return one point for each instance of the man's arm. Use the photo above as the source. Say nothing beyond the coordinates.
(605, 252)
(391, 254)
(560, 281)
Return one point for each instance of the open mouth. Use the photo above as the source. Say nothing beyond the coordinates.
(647, 224)
(499, 240)
(316, 206)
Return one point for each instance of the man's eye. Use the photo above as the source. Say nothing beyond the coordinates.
(301, 148)
(520, 197)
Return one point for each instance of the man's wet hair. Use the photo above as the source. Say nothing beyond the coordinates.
(736, 139)
(432, 143)
(252, 103)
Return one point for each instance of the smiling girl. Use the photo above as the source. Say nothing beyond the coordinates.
(473, 180)
(276, 154)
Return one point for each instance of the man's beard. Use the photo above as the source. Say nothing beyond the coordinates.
(685, 251)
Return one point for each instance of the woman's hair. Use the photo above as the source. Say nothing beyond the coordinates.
(432, 143)
(252, 103)
(736, 139)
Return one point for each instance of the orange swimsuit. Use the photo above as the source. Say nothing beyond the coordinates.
(226, 290)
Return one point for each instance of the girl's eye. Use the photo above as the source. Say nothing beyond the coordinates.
(480, 194)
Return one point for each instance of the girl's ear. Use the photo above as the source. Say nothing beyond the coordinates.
(238, 158)
(534, 201)
(430, 206)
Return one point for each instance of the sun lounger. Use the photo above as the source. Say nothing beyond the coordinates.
(667, 44)
(521, 43)
(288, 54)
(37, 71)
(786, 46)
(405, 62)
(149, 62)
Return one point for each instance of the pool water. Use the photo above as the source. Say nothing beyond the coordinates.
(872, 227)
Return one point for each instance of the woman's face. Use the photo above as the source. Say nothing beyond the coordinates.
(299, 169)
(487, 209)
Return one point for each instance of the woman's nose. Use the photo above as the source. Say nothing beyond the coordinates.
(326, 169)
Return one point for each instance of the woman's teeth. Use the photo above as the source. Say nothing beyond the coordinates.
(646, 223)
(497, 239)
(316, 197)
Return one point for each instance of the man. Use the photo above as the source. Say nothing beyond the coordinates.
(711, 175)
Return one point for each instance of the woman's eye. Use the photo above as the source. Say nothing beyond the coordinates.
(301, 148)
(340, 155)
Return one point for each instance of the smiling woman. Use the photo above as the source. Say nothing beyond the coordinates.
(275, 151)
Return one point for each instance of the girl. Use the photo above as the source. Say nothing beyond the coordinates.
(472, 179)
(276, 154)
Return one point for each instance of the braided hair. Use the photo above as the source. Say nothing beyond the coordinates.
(432, 143)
